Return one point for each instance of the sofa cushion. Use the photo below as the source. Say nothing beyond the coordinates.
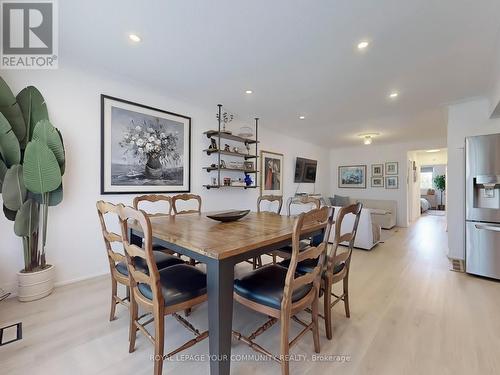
(340, 201)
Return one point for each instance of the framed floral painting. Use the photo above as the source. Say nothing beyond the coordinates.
(143, 149)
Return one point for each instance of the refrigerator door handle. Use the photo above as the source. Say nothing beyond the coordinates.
(493, 228)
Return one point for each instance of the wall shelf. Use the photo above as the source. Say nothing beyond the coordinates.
(211, 151)
(237, 138)
(215, 137)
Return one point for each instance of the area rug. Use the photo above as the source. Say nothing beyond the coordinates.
(435, 213)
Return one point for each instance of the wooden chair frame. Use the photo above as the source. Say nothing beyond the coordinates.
(185, 197)
(289, 309)
(301, 200)
(103, 209)
(330, 278)
(257, 261)
(285, 253)
(156, 307)
(153, 198)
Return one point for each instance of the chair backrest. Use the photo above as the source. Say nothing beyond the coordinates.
(139, 275)
(302, 200)
(320, 219)
(345, 257)
(103, 209)
(185, 197)
(270, 199)
(152, 198)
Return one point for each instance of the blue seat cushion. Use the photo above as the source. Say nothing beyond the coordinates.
(179, 283)
(307, 266)
(162, 261)
(265, 286)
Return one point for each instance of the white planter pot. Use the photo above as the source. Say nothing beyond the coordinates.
(35, 285)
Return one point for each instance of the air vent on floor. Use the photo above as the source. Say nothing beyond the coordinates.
(457, 265)
(11, 334)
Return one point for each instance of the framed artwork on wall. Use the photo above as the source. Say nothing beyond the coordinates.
(377, 170)
(377, 182)
(392, 182)
(271, 173)
(352, 176)
(391, 168)
(143, 149)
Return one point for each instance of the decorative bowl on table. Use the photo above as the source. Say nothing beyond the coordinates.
(228, 216)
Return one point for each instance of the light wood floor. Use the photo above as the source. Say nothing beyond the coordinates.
(410, 315)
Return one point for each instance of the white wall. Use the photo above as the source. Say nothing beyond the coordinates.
(464, 119)
(377, 154)
(75, 245)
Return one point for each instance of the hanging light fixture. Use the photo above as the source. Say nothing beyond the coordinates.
(368, 137)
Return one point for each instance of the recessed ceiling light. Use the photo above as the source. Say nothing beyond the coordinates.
(248, 92)
(134, 38)
(394, 95)
(436, 150)
(363, 44)
(302, 117)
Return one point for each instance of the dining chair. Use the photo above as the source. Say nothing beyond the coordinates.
(153, 198)
(307, 203)
(158, 292)
(281, 292)
(186, 197)
(338, 265)
(117, 261)
(257, 261)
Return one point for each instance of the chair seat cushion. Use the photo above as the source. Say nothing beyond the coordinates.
(179, 283)
(308, 265)
(265, 286)
(162, 261)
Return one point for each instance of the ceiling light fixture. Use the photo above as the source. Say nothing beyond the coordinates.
(362, 45)
(431, 151)
(394, 95)
(248, 92)
(368, 137)
(302, 117)
(134, 38)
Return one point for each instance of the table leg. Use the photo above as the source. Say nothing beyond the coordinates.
(220, 275)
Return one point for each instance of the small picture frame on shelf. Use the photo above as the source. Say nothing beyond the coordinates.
(377, 170)
(378, 182)
(222, 164)
(392, 182)
(248, 165)
(391, 168)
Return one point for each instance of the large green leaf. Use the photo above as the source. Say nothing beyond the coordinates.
(9, 214)
(13, 188)
(7, 98)
(55, 197)
(41, 170)
(15, 118)
(27, 219)
(33, 108)
(3, 170)
(9, 145)
(45, 132)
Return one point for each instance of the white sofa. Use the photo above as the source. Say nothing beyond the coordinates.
(383, 211)
(368, 232)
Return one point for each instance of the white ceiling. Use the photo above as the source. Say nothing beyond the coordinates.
(299, 57)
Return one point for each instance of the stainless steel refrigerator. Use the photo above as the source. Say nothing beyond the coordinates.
(482, 206)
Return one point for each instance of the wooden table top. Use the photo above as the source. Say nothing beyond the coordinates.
(211, 238)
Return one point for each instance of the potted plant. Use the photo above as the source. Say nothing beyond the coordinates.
(440, 184)
(32, 162)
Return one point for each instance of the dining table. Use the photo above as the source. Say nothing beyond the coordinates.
(220, 246)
